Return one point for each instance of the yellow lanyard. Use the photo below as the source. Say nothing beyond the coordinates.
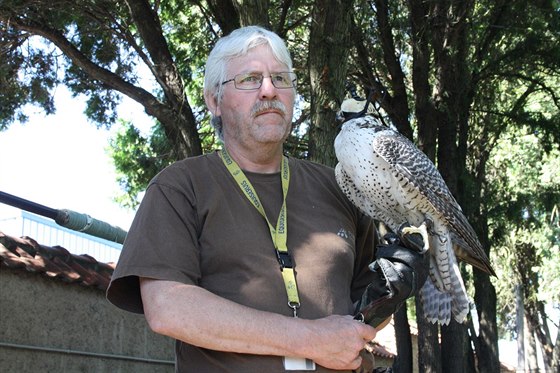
(279, 234)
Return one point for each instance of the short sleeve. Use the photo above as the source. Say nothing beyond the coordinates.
(161, 244)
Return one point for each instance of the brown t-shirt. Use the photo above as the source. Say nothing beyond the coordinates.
(196, 226)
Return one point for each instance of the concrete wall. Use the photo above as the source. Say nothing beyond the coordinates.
(47, 325)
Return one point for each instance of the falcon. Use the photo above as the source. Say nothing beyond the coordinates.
(388, 178)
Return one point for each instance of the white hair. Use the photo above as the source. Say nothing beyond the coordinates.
(237, 44)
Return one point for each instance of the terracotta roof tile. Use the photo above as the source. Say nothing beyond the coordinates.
(57, 262)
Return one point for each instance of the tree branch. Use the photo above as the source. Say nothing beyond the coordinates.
(399, 111)
(96, 72)
(163, 66)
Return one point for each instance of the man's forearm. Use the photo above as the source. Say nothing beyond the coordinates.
(198, 317)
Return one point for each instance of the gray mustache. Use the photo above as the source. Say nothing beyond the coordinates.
(268, 105)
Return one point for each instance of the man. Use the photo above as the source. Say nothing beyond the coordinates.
(255, 270)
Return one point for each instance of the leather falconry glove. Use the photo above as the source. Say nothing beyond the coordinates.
(401, 268)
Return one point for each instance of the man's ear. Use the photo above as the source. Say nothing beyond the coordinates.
(212, 103)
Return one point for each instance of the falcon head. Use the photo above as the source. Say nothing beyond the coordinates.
(355, 107)
(365, 122)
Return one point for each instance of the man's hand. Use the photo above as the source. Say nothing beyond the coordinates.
(336, 342)
(401, 270)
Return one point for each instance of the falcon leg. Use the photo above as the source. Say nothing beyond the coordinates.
(422, 230)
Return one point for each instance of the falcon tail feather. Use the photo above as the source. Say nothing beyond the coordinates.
(435, 304)
(462, 252)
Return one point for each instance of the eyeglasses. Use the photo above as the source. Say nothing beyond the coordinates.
(252, 81)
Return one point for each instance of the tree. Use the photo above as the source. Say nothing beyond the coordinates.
(452, 75)
(328, 51)
(101, 42)
(526, 228)
(458, 60)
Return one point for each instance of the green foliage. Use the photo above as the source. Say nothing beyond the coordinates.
(524, 190)
(31, 69)
(137, 159)
(26, 77)
(187, 32)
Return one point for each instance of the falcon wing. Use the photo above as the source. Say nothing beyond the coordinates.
(411, 165)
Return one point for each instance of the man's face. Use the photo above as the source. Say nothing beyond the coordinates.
(245, 122)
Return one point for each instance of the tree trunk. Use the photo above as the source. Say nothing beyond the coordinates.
(531, 360)
(253, 12)
(520, 325)
(535, 319)
(429, 350)
(424, 109)
(487, 339)
(550, 350)
(485, 293)
(455, 351)
(403, 361)
(555, 365)
(449, 28)
(328, 54)
(181, 127)
(225, 14)
(398, 108)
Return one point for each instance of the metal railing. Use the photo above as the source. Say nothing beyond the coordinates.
(48, 233)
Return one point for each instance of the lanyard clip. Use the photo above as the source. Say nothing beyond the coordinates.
(294, 306)
(285, 259)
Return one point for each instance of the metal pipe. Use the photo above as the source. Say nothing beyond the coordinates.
(68, 218)
(26, 205)
(85, 353)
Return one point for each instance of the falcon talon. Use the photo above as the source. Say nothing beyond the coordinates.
(422, 230)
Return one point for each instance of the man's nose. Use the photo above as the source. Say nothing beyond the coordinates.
(267, 90)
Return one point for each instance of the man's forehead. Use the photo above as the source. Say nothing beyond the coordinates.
(257, 59)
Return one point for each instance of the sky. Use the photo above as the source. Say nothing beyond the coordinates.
(61, 161)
